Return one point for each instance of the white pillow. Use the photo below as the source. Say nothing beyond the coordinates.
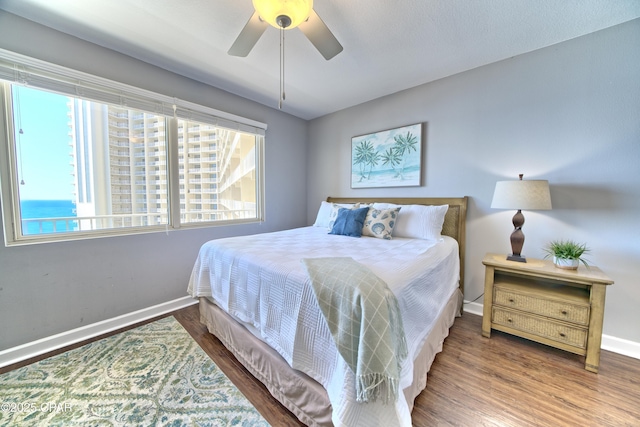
(322, 218)
(418, 221)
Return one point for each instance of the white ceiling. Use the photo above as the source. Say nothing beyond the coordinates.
(389, 45)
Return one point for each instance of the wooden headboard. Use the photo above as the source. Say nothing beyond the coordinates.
(454, 221)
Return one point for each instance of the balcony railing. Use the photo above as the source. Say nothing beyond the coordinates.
(89, 223)
(202, 215)
(234, 210)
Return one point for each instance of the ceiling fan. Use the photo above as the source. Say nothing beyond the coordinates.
(286, 14)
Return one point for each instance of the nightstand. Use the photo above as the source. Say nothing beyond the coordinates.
(540, 302)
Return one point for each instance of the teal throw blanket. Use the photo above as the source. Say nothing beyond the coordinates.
(364, 319)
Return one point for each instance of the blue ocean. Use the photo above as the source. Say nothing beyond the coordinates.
(50, 209)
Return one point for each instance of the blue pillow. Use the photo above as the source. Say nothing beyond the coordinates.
(349, 222)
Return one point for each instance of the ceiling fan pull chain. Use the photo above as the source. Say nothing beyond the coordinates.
(283, 49)
(282, 95)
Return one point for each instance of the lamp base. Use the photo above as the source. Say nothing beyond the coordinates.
(517, 258)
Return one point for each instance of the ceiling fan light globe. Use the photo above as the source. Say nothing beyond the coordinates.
(296, 10)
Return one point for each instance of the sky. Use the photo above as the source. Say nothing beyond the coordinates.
(43, 148)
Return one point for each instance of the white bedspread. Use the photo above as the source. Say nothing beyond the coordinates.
(271, 294)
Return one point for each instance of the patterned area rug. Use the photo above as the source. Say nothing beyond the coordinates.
(154, 375)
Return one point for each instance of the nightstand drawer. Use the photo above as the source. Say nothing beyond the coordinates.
(560, 310)
(556, 331)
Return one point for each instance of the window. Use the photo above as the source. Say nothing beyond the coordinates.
(220, 173)
(76, 166)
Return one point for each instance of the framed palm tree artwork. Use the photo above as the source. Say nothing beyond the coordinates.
(389, 158)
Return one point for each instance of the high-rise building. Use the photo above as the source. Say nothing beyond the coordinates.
(119, 157)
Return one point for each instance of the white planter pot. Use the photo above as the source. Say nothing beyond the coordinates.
(567, 264)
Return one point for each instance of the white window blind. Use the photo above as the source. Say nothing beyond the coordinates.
(23, 70)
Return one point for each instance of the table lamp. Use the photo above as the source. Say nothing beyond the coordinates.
(521, 194)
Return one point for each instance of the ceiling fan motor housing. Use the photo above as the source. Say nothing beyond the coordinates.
(283, 21)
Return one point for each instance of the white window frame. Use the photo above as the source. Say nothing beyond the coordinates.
(22, 70)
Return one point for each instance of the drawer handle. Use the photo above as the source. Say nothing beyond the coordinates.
(562, 334)
(511, 300)
(509, 320)
(564, 312)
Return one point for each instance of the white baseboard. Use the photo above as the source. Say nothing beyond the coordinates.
(54, 342)
(609, 343)
(621, 346)
(473, 308)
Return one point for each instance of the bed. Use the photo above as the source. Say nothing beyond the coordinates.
(255, 296)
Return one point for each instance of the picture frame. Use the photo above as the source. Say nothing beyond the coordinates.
(388, 158)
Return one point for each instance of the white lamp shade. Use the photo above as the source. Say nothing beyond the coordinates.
(521, 194)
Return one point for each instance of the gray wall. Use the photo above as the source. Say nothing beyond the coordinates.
(50, 288)
(569, 113)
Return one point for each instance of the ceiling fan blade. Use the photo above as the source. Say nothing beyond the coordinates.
(249, 36)
(320, 36)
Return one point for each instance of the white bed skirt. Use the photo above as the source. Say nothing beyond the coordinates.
(298, 392)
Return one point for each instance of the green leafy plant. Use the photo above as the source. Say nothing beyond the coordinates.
(567, 249)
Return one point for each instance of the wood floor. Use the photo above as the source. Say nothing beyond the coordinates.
(475, 381)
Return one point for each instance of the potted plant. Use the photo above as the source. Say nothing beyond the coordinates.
(567, 254)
